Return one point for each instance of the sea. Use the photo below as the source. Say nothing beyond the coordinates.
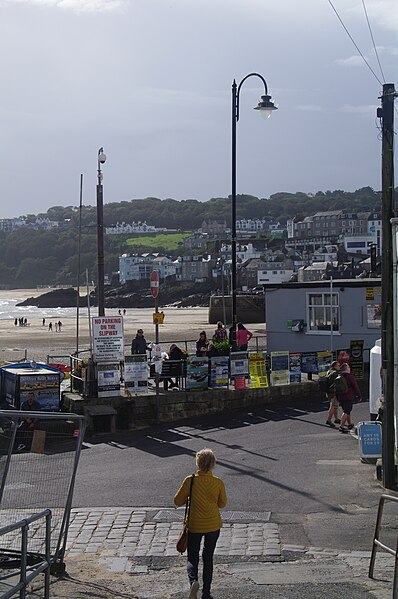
(9, 310)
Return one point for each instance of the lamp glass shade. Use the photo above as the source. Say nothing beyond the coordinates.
(266, 107)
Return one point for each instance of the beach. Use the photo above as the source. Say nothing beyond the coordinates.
(180, 324)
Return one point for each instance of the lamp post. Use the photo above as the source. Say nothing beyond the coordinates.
(265, 106)
(100, 235)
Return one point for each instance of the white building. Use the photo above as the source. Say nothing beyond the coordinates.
(136, 267)
(139, 227)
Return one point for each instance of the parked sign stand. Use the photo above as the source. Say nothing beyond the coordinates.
(370, 439)
(154, 284)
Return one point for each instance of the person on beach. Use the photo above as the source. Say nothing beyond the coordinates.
(332, 374)
(56, 327)
(59, 325)
(139, 344)
(16, 322)
(346, 390)
(208, 496)
(243, 336)
(50, 326)
(44, 322)
(202, 344)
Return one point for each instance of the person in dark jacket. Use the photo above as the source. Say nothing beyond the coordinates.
(178, 356)
(346, 398)
(139, 344)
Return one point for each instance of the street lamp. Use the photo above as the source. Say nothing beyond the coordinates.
(100, 235)
(265, 107)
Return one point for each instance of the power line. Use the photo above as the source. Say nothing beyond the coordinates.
(353, 41)
(373, 41)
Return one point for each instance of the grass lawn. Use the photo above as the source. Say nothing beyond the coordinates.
(162, 240)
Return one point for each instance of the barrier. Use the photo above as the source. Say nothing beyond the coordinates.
(377, 543)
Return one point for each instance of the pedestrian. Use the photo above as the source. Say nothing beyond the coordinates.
(207, 497)
(346, 390)
(139, 344)
(56, 327)
(331, 376)
(16, 322)
(202, 344)
(50, 326)
(243, 336)
(44, 322)
(220, 333)
(177, 367)
(124, 311)
(25, 322)
(120, 312)
(59, 325)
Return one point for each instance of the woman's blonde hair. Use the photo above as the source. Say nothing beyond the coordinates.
(205, 460)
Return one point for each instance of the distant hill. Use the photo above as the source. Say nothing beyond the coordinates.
(29, 257)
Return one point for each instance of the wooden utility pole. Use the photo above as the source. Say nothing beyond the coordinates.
(387, 320)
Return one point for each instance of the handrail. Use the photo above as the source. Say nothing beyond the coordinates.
(43, 566)
(378, 543)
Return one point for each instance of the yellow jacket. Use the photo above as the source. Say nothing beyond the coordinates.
(208, 495)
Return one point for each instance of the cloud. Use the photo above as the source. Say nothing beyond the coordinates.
(78, 6)
(310, 108)
(359, 110)
(351, 61)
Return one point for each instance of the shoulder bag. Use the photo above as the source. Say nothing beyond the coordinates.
(182, 542)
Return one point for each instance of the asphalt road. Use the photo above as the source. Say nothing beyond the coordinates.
(279, 459)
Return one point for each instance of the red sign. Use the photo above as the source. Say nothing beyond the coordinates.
(155, 283)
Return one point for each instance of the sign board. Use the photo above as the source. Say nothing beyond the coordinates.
(295, 368)
(197, 372)
(239, 364)
(370, 439)
(309, 362)
(258, 371)
(158, 317)
(356, 363)
(107, 338)
(108, 379)
(280, 373)
(155, 283)
(219, 376)
(136, 373)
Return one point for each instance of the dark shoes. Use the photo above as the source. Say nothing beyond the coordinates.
(337, 421)
(350, 427)
(343, 430)
(329, 423)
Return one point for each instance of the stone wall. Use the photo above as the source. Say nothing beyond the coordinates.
(141, 411)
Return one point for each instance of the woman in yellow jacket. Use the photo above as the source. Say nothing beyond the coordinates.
(208, 495)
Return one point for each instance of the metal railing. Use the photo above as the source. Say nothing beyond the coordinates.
(377, 543)
(27, 572)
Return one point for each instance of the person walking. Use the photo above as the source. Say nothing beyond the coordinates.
(331, 376)
(59, 326)
(50, 326)
(139, 344)
(346, 390)
(208, 496)
(243, 336)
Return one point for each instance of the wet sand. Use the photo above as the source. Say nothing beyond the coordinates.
(180, 324)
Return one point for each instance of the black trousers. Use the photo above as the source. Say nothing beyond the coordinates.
(209, 545)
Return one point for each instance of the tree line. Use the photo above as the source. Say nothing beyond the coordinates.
(30, 257)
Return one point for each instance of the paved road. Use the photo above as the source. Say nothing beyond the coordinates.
(278, 459)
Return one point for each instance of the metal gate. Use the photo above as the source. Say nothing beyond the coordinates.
(39, 454)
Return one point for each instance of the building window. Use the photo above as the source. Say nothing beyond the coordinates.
(321, 310)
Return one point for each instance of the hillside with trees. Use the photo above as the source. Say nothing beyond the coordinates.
(30, 257)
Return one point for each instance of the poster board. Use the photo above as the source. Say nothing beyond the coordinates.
(136, 373)
(108, 379)
(324, 360)
(258, 371)
(197, 372)
(295, 367)
(239, 364)
(373, 307)
(356, 361)
(280, 368)
(219, 371)
(107, 336)
(309, 362)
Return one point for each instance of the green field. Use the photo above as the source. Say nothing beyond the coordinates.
(169, 241)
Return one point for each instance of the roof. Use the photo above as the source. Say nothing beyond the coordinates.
(375, 282)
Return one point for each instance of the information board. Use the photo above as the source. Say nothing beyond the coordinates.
(239, 364)
(107, 335)
(219, 376)
(258, 371)
(280, 373)
(108, 379)
(197, 372)
(370, 439)
(136, 373)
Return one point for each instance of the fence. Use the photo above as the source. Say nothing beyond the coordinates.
(39, 455)
(377, 543)
(26, 568)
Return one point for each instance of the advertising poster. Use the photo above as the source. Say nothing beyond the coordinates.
(219, 376)
(280, 373)
(108, 379)
(309, 362)
(107, 335)
(324, 359)
(136, 373)
(197, 372)
(44, 386)
(373, 307)
(295, 368)
(258, 371)
(356, 363)
(239, 364)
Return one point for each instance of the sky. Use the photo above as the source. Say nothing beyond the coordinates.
(150, 82)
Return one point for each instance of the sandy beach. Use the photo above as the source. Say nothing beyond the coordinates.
(180, 324)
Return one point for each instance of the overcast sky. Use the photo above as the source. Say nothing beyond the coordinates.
(150, 81)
